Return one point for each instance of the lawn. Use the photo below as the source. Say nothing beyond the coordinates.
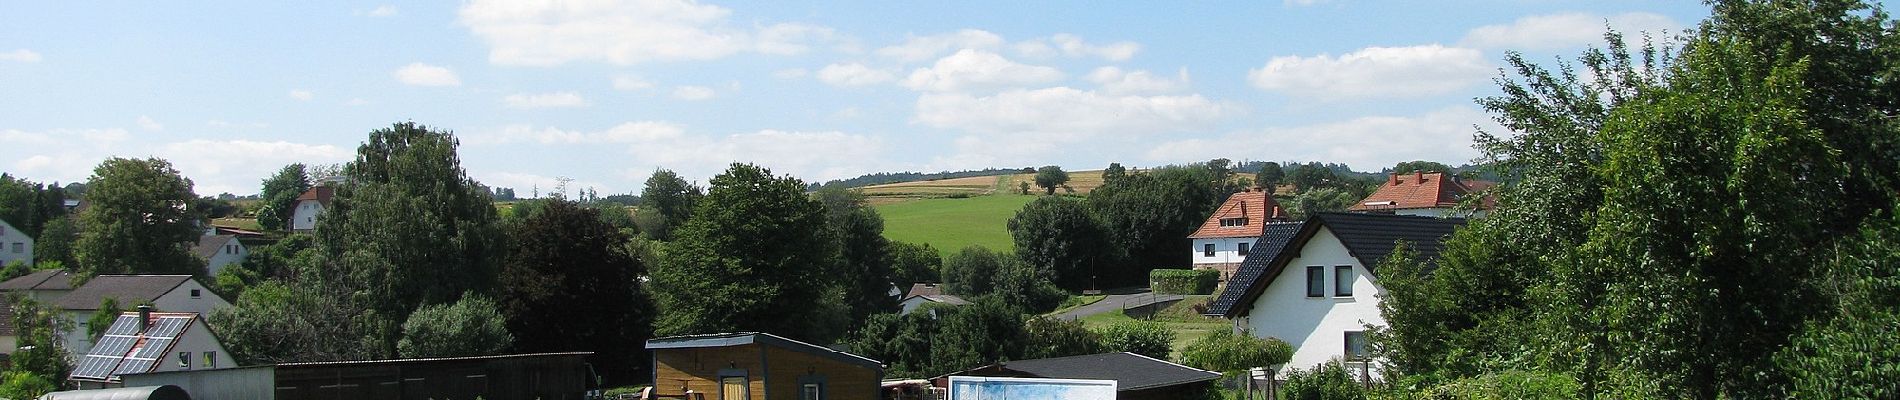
(949, 224)
(1180, 318)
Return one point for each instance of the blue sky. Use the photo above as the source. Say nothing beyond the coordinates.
(603, 92)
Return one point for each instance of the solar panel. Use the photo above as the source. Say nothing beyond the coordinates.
(123, 350)
(124, 325)
(155, 348)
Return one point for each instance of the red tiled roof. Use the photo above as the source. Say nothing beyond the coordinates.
(1255, 206)
(321, 194)
(1419, 190)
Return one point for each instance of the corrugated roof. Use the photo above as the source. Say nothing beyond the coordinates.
(1255, 207)
(45, 279)
(1264, 250)
(1130, 371)
(1368, 237)
(744, 338)
(127, 289)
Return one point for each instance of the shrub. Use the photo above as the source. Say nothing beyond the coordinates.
(24, 385)
(1047, 337)
(1183, 281)
(1508, 385)
(1230, 353)
(1140, 337)
(468, 327)
(1328, 381)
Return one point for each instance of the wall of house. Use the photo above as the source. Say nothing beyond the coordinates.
(698, 369)
(790, 370)
(1226, 250)
(305, 216)
(14, 245)
(180, 299)
(9, 344)
(196, 340)
(1316, 326)
(231, 253)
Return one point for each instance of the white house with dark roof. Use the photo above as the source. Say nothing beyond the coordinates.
(1314, 284)
(42, 285)
(15, 245)
(144, 341)
(219, 251)
(168, 293)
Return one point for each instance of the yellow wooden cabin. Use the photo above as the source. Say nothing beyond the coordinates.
(758, 366)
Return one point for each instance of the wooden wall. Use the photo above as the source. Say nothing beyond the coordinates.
(770, 371)
(844, 381)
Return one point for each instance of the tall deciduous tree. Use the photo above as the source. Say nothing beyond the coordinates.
(666, 203)
(55, 243)
(756, 256)
(566, 265)
(1151, 213)
(1064, 242)
(913, 263)
(408, 228)
(139, 221)
(1269, 176)
(468, 327)
(863, 251)
(280, 196)
(1050, 178)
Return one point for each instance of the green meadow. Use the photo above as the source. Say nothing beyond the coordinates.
(950, 224)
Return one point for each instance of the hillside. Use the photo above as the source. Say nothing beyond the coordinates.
(949, 224)
(1081, 181)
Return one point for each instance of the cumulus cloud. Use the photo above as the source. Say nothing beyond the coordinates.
(65, 155)
(383, 11)
(1073, 46)
(544, 33)
(810, 155)
(1443, 135)
(419, 74)
(147, 123)
(853, 74)
(790, 73)
(545, 100)
(630, 82)
(694, 93)
(976, 70)
(301, 95)
(630, 132)
(20, 55)
(240, 163)
(1114, 80)
(1567, 30)
(923, 48)
(1374, 72)
(1063, 111)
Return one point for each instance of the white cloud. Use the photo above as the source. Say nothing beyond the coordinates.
(1374, 72)
(383, 11)
(240, 164)
(854, 74)
(356, 102)
(630, 82)
(1063, 111)
(809, 155)
(1114, 80)
(977, 70)
(545, 100)
(631, 132)
(1303, 3)
(222, 124)
(65, 155)
(419, 74)
(1560, 31)
(20, 55)
(1444, 135)
(301, 95)
(694, 93)
(1073, 46)
(548, 33)
(790, 73)
(147, 123)
(921, 48)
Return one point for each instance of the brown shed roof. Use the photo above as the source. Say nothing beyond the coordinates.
(1419, 190)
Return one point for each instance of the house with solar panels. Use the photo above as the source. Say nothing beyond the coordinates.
(1315, 283)
(146, 341)
(169, 293)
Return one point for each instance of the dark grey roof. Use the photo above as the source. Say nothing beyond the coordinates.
(1273, 240)
(209, 245)
(1130, 371)
(745, 338)
(129, 290)
(45, 279)
(1368, 237)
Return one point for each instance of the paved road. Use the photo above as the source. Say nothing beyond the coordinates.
(1116, 302)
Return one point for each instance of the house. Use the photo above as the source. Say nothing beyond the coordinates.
(546, 376)
(1223, 240)
(1315, 283)
(915, 302)
(219, 251)
(1434, 194)
(15, 245)
(924, 288)
(169, 293)
(43, 285)
(1137, 377)
(310, 205)
(760, 366)
(145, 341)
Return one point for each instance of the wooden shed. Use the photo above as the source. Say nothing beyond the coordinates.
(759, 366)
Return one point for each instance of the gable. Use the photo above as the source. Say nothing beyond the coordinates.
(1416, 190)
(1367, 238)
(1243, 214)
(127, 349)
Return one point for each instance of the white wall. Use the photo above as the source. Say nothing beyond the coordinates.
(226, 257)
(197, 340)
(1226, 250)
(305, 216)
(1315, 326)
(177, 300)
(14, 245)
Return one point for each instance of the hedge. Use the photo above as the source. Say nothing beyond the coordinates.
(1183, 281)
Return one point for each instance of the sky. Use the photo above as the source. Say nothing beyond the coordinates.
(604, 92)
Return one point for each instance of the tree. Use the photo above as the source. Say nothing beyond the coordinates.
(279, 196)
(24, 385)
(565, 265)
(1114, 171)
(914, 263)
(1310, 202)
(1051, 177)
(983, 332)
(902, 341)
(1047, 337)
(1063, 241)
(30, 206)
(139, 221)
(972, 271)
(468, 327)
(1269, 176)
(55, 243)
(1146, 338)
(1234, 353)
(1310, 176)
(863, 251)
(781, 283)
(276, 322)
(1420, 166)
(102, 318)
(666, 203)
(407, 228)
(1150, 215)
(1855, 354)
(41, 350)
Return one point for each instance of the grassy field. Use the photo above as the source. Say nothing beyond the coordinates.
(1082, 181)
(949, 224)
(1180, 318)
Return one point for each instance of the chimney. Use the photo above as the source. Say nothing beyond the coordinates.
(1394, 180)
(145, 318)
(1418, 177)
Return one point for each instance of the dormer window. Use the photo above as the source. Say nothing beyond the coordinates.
(1242, 221)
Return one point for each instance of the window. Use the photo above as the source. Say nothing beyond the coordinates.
(19, 247)
(1207, 250)
(194, 293)
(1315, 281)
(732, 388)
(3, 230)
(1244, 247)
(1355, 345)
(811, 391)
(1342, 281)
(1242, 221)
(211, 359)
(184, 359)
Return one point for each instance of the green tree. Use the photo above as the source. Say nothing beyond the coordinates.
(863, 251)
(1150, 215)
(1269, 176)
(914, 263)
(1063, 241)
(1310, 202)
(139, 221)
(1309, 176)
(565, 265)
(1329, 381)
(1233, 353)
(666, 203)
(1420, 166)
(972, 271)
(1146, 338)
(1856, 353)
(24, 385)
(407, 228)
(30, 206)
(276, 321)
(55, 243)
(471, 326)
(779, 283)
(902, 341)
(1047, 337)
(1114, 171)
(102, 318)
(984, 332)
(41, 351)
(15, 269)
(1051, 177)
(279, 196)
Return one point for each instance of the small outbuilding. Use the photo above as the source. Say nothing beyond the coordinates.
(1137, 377)
(166, 392)
(760, 366)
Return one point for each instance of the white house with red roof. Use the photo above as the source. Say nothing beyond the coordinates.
(1434, 194)
(310, 204)
(1223, 240)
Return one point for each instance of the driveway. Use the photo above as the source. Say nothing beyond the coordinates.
(1116, 301)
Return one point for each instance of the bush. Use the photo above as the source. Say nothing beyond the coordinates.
(1227, 352)
(1329, 381)
(1047, 337)
(1507, 385)
(1140, 337)
(468, 327)
(1183, 281)
(24, 385)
